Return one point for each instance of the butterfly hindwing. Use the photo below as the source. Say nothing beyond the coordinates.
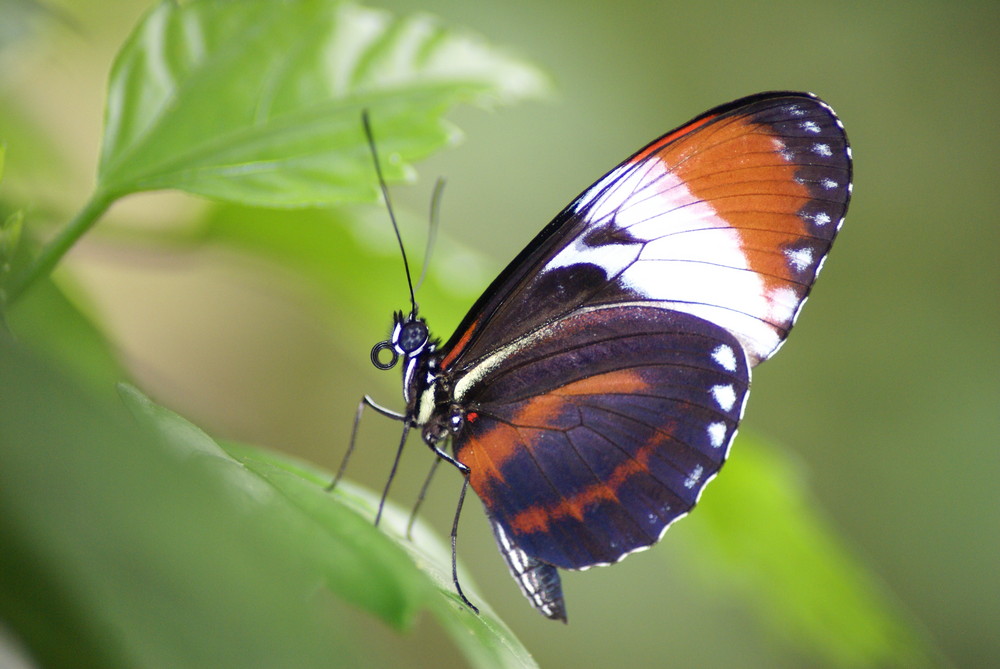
(539, 581)
(587, 443)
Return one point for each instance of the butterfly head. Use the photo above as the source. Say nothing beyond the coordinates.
(410, 337)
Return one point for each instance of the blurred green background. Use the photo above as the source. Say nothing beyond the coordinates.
(888, 395)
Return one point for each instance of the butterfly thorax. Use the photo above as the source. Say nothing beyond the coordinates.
(436, 412)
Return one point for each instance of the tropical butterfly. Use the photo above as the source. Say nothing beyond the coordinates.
(595, 388)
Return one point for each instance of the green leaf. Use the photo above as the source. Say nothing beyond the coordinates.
(259, 101)
(56, 321)
(138, 541)
(759, 533)
(376, 568)
(121, 551)
(53, 325)
(10, 243)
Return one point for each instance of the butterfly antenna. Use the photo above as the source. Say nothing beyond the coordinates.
(432, 230)
(388, 205)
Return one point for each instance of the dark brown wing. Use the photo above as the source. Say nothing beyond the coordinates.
(588, 442)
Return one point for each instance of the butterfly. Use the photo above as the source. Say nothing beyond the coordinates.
(594, 389)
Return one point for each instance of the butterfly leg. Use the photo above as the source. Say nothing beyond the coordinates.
(464, 469)
(365, 402)
(420, 498)
(454, 544)
(392, 472)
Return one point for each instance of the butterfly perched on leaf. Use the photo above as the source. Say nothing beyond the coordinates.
(595, 387)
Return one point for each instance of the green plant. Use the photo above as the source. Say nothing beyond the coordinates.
(128, 532)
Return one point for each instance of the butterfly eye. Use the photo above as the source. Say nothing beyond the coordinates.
(411, 337)
(377, 355)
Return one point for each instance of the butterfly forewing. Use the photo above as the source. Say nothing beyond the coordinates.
(728, 218)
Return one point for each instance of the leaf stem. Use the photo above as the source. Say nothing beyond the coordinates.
(57, 247)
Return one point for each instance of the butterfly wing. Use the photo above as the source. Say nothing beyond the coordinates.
(586, 444)
(539, 581)
(605, 370)
(728, 218)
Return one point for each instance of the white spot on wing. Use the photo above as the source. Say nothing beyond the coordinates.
(607, 204)
(694, 477)
(725, 396)
(810, 126)
(725, 357)
(822, 150)
(783, 151)
(717, 434)
(820, 218)
(799, 259)
(828, 183)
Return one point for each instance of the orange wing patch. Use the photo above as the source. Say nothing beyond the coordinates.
(619, 382)
(741, 168)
